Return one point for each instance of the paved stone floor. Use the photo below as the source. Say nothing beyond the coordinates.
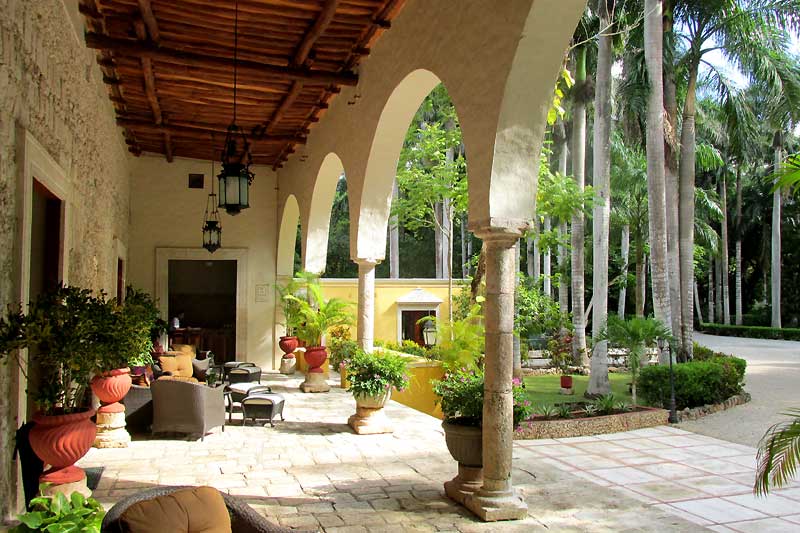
(312, 473)
(773, 380)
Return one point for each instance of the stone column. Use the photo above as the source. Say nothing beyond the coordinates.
(496, 500)
(366, 303)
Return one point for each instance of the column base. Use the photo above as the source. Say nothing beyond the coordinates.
(468, 481)
(288, 365)
(315, 382)
(491, 506)
(368, 421)
(68, 487)
(111, 432)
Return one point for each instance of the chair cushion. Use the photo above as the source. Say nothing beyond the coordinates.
(191, 349)
(195, 510)
(177, 363)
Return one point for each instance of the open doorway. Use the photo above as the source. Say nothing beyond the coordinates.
(202, 297)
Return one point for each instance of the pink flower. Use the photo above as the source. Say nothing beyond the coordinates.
(516, 382)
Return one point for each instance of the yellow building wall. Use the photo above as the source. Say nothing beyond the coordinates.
(387, 291)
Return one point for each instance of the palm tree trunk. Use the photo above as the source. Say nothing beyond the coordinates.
(726, 303)
(598, 378)
(686, 170)
(577, 237)
(437, 239)
(546, 265)
(656, 179)
(623, 289)
(563, 281)
(711, 290)
(465, 256)
(697, 307)
(394, 240)
(641, 281)
(738, 230)
(533, 257)
(718, 288)
(775, 270)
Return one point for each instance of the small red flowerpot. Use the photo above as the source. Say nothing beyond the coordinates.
(61, 440)
(288, 344)
(566, 382)
(315, 358)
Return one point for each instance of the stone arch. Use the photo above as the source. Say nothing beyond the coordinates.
(287, 237)
(526, 99)
(316, 230)
(371, 218)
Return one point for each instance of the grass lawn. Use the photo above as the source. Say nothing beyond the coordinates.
(542, 390)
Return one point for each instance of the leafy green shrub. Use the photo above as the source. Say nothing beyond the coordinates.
(59, 514)
(564, 410)
(752, 332)
(460, 394)
(605, 405)
(410, 347)
(546, 411)
(341, 350)
(696, 383)
(372, 374)
(537, 314)
(589, 410)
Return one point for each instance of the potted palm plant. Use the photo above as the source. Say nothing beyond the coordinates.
(371, 378)
(316, 317)
(60, 329)
(634, 335)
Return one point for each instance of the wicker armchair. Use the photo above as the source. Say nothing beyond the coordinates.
(186, 407)
(243, 518)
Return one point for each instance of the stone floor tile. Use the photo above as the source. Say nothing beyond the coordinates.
(591, 477)
(667, 491)
(795, 518)
(635, 495)
(720, 466)
(718, 510)
(572, 440)
(767, 525)
(671, 470)
(591, 462)
(721, 529)
(640, 444)
(687, 516)
(625, 475)
(718, 451)
(716, 485)
(772, 504)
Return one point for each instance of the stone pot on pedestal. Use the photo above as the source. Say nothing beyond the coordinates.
(288, 345)
(315, 381)
(370, 418)
(465, 443)
(59, 441)
(111, 387)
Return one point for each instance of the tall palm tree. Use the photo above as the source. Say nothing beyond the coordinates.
(753, 35)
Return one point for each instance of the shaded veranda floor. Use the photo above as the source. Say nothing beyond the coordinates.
(312, 473)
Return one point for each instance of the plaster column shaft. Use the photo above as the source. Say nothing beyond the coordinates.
(496, 499)
(366, 303)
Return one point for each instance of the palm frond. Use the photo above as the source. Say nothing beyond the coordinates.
(778, 454)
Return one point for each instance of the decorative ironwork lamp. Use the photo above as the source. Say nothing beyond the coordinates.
(212, 229)
(236, 176)
(429, 333)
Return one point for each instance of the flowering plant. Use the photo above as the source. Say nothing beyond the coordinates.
(460, 395)
(373, 374)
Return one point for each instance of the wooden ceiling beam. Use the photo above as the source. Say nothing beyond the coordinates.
(246, 67)
(195, 130)
(147, 72)
(318, 28)
(149, 20)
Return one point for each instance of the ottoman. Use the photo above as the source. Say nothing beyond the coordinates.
(262, 405)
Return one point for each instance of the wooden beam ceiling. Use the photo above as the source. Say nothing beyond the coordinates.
(168, 65)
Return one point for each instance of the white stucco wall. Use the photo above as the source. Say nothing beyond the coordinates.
(165, 213)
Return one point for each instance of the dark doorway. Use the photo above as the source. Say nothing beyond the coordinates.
(411, 330)
(45, 265)
(120, 279)
(202, 295)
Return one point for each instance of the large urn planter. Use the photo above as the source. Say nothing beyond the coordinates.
(59, 441)
(465, 444)
(288, 345)
(370, 417)
(110, 388)
(315, 357)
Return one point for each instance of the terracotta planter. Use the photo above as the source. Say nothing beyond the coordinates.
(61, 440)
(315, 358)
(373, 402)
(288, 344)
(110, 387)
(566, 382)
(465, 444)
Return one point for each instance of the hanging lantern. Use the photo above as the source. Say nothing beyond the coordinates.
(212, 229)
(429, 333)
(236, 176)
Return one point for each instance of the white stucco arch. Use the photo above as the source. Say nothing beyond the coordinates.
(318, 217)
(368, 226)
(287, 237)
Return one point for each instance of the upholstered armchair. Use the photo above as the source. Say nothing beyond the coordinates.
(186, 407)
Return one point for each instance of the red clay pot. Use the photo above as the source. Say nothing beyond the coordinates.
(288, 344)
(112, 386)
(566, 382)
(60, 440)
(315, 358)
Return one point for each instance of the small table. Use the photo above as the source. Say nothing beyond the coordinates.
(264, 405)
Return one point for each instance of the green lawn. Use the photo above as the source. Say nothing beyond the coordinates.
(542, 390)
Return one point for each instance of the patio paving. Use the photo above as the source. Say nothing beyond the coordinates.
(313, 473)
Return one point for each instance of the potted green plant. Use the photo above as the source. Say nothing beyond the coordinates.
(60, 327)
(371, 378)
(317, 317)
(59, 514)
(634, 335)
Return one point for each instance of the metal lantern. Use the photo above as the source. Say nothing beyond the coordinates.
(429, 333)
(236, 176)
(212, 229)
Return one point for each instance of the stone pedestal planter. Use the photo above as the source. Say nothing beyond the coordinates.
(315, 381)
(110, 388)
(370, 417)
(288, 365)
(465, 445)
(61, 440)
(288, 345)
